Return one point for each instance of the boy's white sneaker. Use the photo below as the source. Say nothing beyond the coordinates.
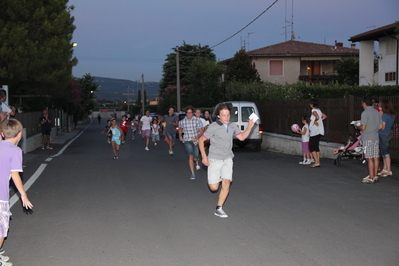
(307, 162)
(219, 212)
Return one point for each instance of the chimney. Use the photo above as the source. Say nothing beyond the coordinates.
(339, 44)
(353, 45)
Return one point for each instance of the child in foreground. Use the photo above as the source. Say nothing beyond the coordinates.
(10, 166)
(116, 138)
(220, 158)
(307, 156)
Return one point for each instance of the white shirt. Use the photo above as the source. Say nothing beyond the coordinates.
(316, 130)
(146, 122)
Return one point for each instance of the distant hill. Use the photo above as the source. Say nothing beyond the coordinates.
(116, 89)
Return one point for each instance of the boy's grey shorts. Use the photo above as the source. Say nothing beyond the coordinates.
(220, 169)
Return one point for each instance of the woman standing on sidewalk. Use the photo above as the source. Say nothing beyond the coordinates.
(316, 129)
(384, 134)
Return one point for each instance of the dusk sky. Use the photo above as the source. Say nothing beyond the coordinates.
(125, 39)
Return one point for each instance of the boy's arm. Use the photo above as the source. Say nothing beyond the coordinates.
(20, 186)
(245, 134)
(202, 151)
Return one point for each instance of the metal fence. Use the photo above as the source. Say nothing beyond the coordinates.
(278, 115)
(30, 121)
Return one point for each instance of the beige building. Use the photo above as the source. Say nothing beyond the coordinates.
(285, 62)
(387, 56)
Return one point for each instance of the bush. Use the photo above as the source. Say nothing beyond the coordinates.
(269, 91)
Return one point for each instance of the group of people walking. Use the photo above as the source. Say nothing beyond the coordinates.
(197, 133)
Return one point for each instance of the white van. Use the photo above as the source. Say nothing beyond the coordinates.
(240, 115)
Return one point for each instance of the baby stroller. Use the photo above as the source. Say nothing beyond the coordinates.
(354, 150)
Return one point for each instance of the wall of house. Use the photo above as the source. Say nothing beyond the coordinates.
(291, 69)
(366, 63)
(387, 61)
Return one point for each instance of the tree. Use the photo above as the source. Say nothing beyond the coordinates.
(187, 54)
(138, 97)
(87, 88)
(348, 71)
(203, 78)
(35, 48)
(240, 69)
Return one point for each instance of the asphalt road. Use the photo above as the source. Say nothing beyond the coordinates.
(144, 210)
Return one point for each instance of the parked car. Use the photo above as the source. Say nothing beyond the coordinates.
(240, 115)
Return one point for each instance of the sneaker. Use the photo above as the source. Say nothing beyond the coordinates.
(170, 152)
(311, 160)
(307, 162)
(197, 167)
(49, 148)
(2, 251)
(147, 149)
(219, 212)
(3, 259)
(42, 147)
(114, 159)
(109, 142)
(302, 162)
(5, 263)
(117, 157)
(192, 177)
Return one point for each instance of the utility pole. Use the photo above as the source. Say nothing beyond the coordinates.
(142, 92)
(128, 98)
(178, 78)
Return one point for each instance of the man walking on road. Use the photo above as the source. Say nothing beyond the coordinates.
(370, 123)
(172, 121)
(193, 130)
(145, 128)
(220, 158)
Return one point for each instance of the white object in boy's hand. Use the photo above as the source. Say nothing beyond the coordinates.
(6, 108)
(253, 117)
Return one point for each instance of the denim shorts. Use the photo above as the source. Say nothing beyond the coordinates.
(191, 149)
(171, 136)
(384, 145)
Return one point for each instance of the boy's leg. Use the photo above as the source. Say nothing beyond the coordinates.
(224, 192)
(191, 163)
(147, 141)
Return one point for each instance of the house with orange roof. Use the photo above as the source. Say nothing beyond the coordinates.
(387, 56)
(285, 62)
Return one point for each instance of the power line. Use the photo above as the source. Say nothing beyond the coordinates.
(246, 25)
